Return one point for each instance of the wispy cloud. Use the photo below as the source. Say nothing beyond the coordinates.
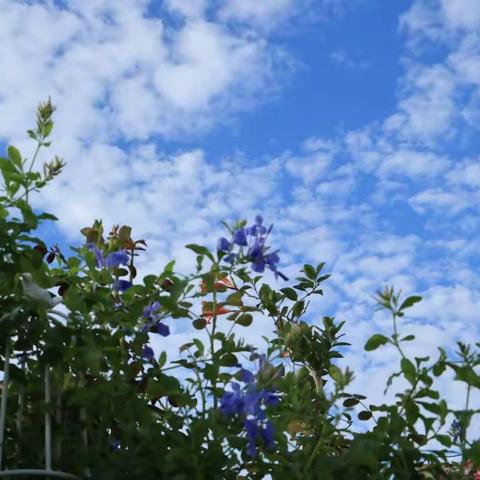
(377, 203)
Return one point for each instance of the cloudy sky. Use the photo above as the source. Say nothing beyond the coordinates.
(353, 126)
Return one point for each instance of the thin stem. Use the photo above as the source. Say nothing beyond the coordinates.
(318, 382)
(212, 345)
(200, 386)
(39, 145)
(395, 335)
(312, 455)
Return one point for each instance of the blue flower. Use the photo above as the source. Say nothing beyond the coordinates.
(115, 259)
(115, 444)
(257, 228)
(98, 255)
(223, 245)
(456, 430)
(154, 325)
(148, 353)
(254, 237)
(240, 237)
(230, 258)
(161, 329)
(121, 285)
(153, 307)
(268, 434)
(250, 404)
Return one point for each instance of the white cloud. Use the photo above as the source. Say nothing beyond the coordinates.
(205, 61)
(190, 8)
(310, 168)
(466, 173)
(115, 71)
(438, 200)
(413, 163)
(426, 108)
(117, 74)
(265, 13)
(462, 13)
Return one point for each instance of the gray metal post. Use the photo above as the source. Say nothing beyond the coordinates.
(3, 406)
(48, 421)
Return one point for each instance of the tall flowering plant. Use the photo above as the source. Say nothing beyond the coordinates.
(221, 409)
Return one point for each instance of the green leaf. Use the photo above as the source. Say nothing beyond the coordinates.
(360, 397)
(244, 320)
(310, 272)
(365, 415)
(235, 299)
(408, 338)
(351, 402)
(298, 308)
(229, 360)
(410, 301)
(185, 346)
(445, 440)
(47, 216)
(199, 323)
(408, 369)
(431, 407)
(335, 373)
(467, 375)
(162, 359)
(412, 411)
(199, 250)
(438, 368)
(290, 293)
(376, 341)
(15, 156)
(47, 129)
(169, 267)
(124, 233)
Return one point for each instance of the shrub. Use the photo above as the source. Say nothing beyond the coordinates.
(221, 409)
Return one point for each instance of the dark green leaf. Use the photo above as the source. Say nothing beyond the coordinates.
(15, 156)
(408, 369)
(351, 402)
(229, 360)
(198, 249)
(408, 302)
(376, 341)
(310, 272)
(290, 293)
(199, 323)
(364, 415)
(244, 320)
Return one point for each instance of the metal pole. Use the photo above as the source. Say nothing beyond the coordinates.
(83, 419)
(3, 406)
(48, 423)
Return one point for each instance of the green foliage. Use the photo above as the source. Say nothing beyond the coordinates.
(120, 413)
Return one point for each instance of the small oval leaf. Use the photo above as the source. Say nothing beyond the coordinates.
(376, 341)
(364, 415)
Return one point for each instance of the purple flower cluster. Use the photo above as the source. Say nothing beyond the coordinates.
(457, 431)
(154, 325)
(254, 238)
(250, 404)
(113, 260)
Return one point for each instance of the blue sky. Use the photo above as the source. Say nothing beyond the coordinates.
(351, 125)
